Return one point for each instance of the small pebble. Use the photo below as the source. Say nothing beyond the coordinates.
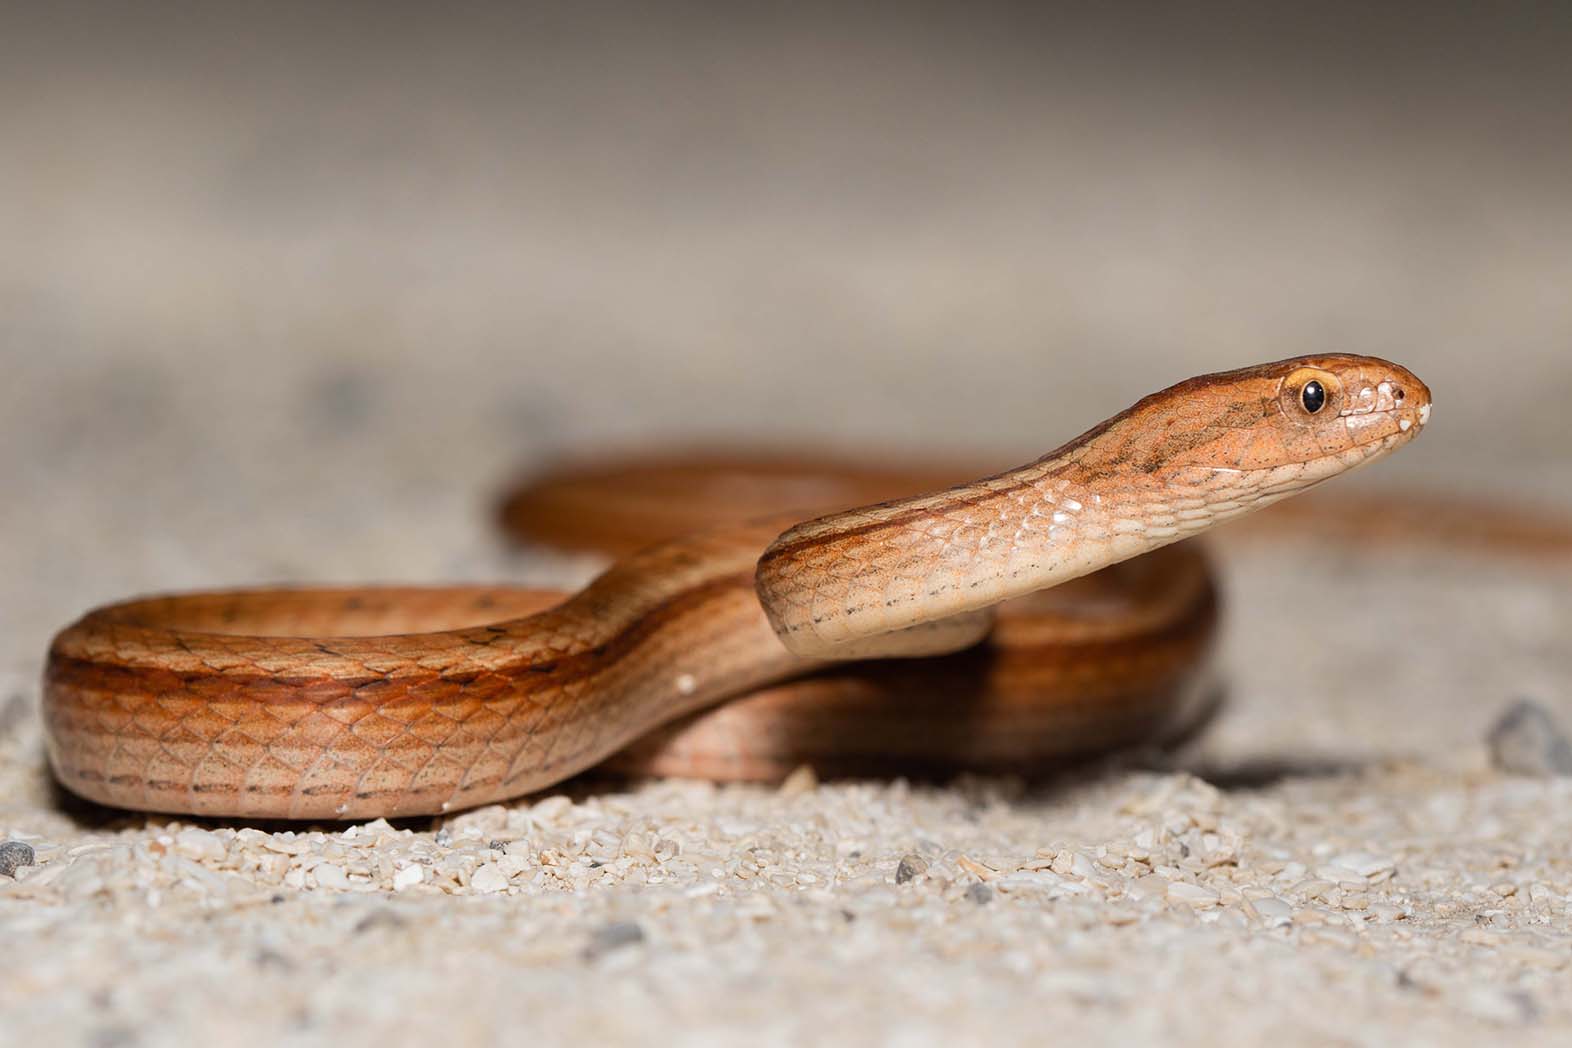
(979, 894)
(800, 781)
(1526, 740)
(330, 876)
(1195, 895)
(1365, 864)
(14, 854)
(199, 844)
(379, 919)
(488, 878)
(613, 937)
(271, 959)
(1502, 1006)
(910, 866)
(1274, 912)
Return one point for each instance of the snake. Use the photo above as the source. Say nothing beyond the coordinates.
(1043, 614)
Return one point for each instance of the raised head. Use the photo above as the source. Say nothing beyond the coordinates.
(1306, 417)
(1180, 461)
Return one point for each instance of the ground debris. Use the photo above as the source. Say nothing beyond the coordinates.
(1527, 740)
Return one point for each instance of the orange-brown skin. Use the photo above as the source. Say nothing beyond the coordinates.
(357, 703)
(1200, 453)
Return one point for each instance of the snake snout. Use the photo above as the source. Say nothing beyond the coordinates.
(1383, 404)
(1402, 393)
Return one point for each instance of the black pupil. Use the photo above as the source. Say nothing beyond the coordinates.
(1313, 397)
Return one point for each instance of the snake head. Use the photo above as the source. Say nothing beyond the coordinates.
(1343, 405)
(1271, 429)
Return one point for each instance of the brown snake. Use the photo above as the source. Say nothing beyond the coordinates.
(355, 703)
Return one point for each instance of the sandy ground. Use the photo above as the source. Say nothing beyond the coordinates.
(289, 299)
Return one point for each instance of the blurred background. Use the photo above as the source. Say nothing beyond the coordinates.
(290, 292)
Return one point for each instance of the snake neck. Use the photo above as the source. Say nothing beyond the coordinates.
(831, 584)
(1194, 455)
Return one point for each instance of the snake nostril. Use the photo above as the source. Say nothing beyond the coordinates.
(1397, 394)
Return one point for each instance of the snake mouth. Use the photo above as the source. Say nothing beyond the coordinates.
(1377, 432)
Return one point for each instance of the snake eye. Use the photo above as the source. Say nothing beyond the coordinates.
(1308, 394)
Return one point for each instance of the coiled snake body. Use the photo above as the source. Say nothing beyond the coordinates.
(355, 703)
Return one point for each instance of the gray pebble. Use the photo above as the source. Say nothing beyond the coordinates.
(378, 920)
(267, 959)
(114, 1037)
(1527, 1005)
(980, 894)
(910, 866)
(16, 710)
(613, 937)
(14, 854)
(1526, 740)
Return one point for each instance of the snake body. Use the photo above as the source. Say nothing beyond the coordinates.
(355, 703)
